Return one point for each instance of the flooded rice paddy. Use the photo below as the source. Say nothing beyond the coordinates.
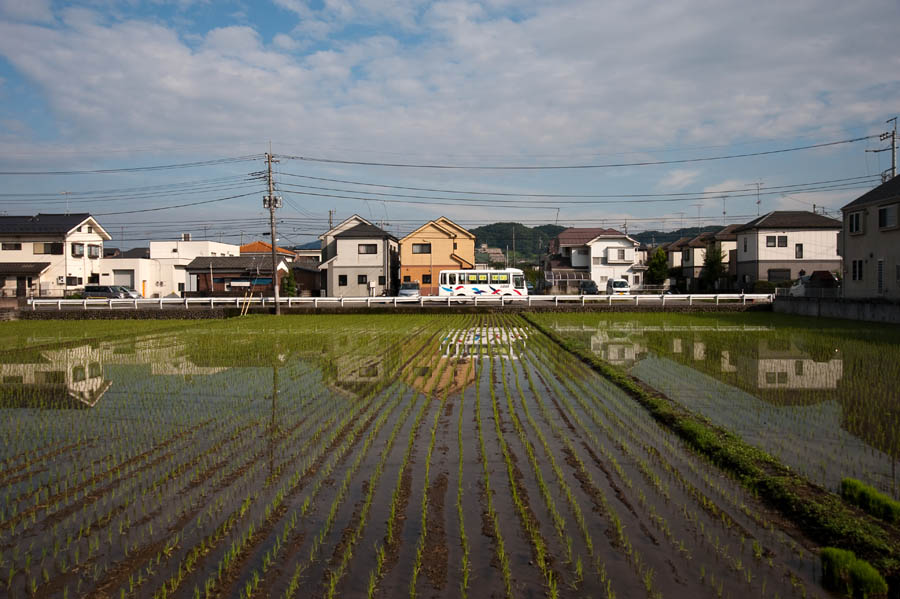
(412, 455)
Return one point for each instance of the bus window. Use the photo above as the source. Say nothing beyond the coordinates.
(499, 278)
(482, 278)
(443, 278)
(519, 281)
(452, 278)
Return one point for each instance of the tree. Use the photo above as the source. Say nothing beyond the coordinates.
(288, 285)
(713, 269)
(657, 267)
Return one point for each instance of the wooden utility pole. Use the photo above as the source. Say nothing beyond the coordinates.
(272, 202)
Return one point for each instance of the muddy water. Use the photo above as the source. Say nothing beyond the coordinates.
(202, 442)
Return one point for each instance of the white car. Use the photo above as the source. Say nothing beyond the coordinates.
(617, 287)
(409, 289)
(798, 289)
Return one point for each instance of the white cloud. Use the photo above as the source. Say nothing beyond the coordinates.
(678, 179)
(36, 11)
(285, 42)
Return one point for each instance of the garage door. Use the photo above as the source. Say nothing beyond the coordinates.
(124, 278)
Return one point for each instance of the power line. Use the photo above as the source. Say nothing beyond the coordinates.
(136, 169)
(243, 195)
(578, 166)
(557, 195)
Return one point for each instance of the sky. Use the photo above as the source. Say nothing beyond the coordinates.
(674, 113)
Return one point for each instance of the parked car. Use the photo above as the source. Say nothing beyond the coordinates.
(819, 279)
(530, 287)
(588, 287)
(617, 287)
(131, 293)
(104, 292)
(409, 289)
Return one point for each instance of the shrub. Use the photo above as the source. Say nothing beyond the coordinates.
(843, 572)
(870, 500)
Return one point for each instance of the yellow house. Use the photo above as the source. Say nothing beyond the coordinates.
(437, 245)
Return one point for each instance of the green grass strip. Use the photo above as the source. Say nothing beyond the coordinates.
(843, 572)
(870, 500)
(821, 515)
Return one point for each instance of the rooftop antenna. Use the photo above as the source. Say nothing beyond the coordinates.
(698, 205)
(66, 193)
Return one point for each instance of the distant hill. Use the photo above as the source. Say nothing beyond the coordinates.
(312, 245)
(530, 242)
(659, 237)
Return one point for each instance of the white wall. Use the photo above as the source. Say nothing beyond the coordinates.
(818, 244)
(606, 265)
(52, 282)
(188, 250)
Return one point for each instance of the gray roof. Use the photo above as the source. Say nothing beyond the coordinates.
(23, 268)
(887, 191)
(727, 234)
(249, 264)
(42, 223)
(790, 219)
(365, 231)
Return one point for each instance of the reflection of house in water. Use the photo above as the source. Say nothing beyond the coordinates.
(59, 378)
(786, 367)
(504, 342)
(616, 348)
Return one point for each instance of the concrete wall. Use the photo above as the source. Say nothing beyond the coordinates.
(836, 308)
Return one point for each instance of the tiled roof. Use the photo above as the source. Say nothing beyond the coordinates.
(582, 235)
(252, 264)
(790, 219)
(678, 244)
(261, 247)
(701, 240)
(42, 223)
(22, 268)
(727, 234)
(887, 191)
(365, 231)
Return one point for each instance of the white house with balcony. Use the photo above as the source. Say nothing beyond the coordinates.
(359, 259)
(581, 253)
(785, 245)
(50, 255)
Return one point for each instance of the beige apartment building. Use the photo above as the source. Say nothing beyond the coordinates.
(437, 245)
(870, 243)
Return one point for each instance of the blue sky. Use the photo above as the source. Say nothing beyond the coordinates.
(106, 84)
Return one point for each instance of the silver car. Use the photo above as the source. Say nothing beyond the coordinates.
(409, 289)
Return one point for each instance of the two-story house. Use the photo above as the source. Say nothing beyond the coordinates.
(674, 252)
(693, 255)
(785, 245)
(50, 255)
(598, 254)
(437, 245)
(870, 243)
(359, 259)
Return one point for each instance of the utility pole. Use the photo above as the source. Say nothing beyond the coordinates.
(330, 219)
(758, 185)
(724, 216)
(514, 245)
(892, 135)
(698, 205)
(66, 193)
(272, 202)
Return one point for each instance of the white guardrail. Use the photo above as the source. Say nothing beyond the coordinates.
(332, 302)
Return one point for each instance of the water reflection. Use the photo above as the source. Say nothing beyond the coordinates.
(502, 342)
(56, 379)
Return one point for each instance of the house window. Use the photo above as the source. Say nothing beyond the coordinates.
(454, 245)
(94, 279)
(854, 222)
(782, 241)
(90, 229)
(73, 281)
(342, 280)
(887, 217)
(368, 248)
(93, 251)
(381, 280)
(779, 274)
(856, 270)
(48, 248)
(77, 250)
(637, 279)
(12, 246)
(620, 254)
(770, 241)
(426, 279)
(596, 261)
(362, 279)
(798, 251)
(686, 255)
(421, 248)
(406, 278)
